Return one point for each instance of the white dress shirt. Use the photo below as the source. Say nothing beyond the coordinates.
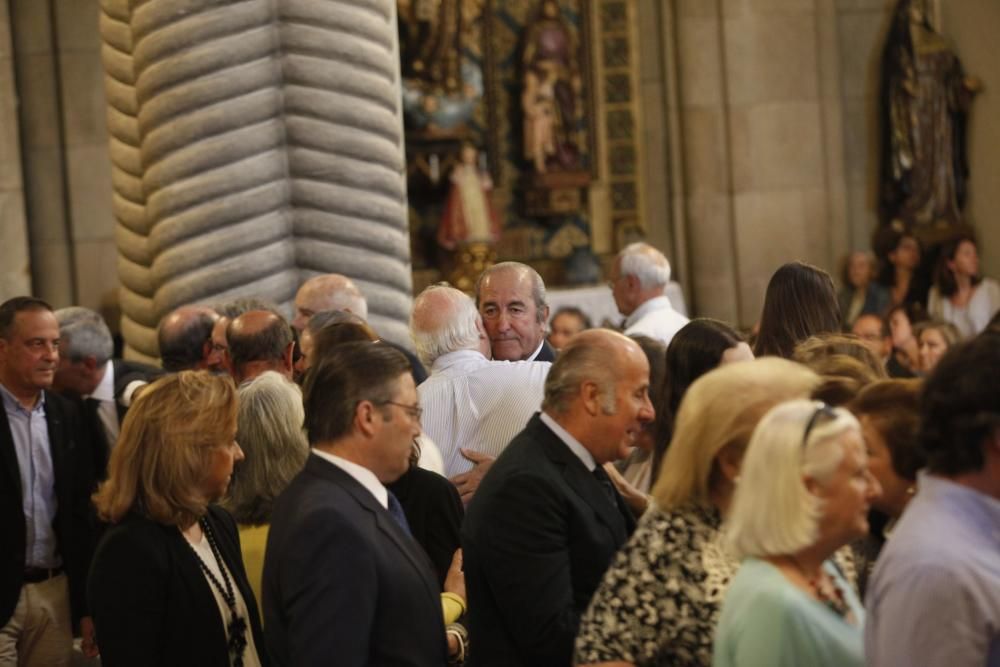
(473, 403)
(107, 410)
(363, 475)
(657, 319)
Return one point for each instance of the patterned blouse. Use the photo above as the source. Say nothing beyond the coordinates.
(660, 601)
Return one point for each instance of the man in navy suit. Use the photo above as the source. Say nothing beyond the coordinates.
(344, 582)
(546, 520)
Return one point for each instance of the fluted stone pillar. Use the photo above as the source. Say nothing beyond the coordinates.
(255, 143)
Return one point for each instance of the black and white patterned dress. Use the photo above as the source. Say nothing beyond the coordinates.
(660, 600)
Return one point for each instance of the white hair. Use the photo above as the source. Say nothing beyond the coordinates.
(447, 324)
(645, 263)
(773, 513)
(84, 333)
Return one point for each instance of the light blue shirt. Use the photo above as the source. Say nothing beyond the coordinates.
(30, 432)
(767, 621)
(934, 597)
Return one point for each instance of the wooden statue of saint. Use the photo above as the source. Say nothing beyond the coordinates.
(925, 98)
(468, 216)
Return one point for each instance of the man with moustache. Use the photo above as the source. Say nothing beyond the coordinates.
(46, 471)
(546, 520)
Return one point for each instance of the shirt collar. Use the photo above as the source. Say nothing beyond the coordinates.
(105, 390)
(586, 458)
(363, 475)
(656, 303)
(537, 350)
(451, 359)
(10, 402)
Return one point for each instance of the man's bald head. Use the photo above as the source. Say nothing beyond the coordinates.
(445, 320)
(259, 341)
(185, 338)
(330, 291)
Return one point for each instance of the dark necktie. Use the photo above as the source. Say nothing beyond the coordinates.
(396, 512)
(606, 485)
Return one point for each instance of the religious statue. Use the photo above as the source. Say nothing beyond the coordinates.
(429, 32)
(468, 214)
(925, 99)
(552, 87)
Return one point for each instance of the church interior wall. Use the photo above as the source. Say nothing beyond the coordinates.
(758, 128)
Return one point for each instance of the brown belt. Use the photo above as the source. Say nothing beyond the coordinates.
(36, 575)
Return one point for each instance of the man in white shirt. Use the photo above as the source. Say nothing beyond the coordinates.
(638, 278)
(344, 581)
(473, 407)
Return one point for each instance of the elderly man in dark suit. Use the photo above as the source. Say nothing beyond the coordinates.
(102, 387)
(546, 520)
(45, 480)
(344, 582)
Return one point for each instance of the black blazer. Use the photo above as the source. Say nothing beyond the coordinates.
(547, 353)
(537, 538)
(72, 454)
(343, 584)
(150, 600)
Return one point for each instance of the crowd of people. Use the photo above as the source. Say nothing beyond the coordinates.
(823, 492)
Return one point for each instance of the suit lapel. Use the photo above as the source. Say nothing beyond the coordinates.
(582, 481)
(8, 457)
(383, 520)
(61, 446)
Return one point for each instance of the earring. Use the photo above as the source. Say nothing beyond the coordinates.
(911, 490)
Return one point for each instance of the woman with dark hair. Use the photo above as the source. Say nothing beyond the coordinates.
(167, 584)
(800, 302)
(860, 294)
(960, 295)
(899, 253)
(889, 413)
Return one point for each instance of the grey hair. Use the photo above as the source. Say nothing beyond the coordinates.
(773, 512)
(645, 263)
(84, 333)
(270, 431)
(537, 284)
(454, 329)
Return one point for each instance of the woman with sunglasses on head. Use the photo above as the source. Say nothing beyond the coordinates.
(804, 493)
(167, 585)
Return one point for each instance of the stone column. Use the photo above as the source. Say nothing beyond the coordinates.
(255, 143)
(14, 267)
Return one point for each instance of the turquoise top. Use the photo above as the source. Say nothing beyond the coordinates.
(768, 622)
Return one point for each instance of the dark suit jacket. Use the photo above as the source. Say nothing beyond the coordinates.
(127, 372)
(537, 538)
(151, 602)
(547, 353)
(71, 465)
(343, 584)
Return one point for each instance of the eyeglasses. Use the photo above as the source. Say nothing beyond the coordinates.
(415, 411)
(822, 410)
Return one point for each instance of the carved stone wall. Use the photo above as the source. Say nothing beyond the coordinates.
(254, 144)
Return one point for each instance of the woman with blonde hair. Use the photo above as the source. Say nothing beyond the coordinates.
(659, 602)
(167, 585)
(804, 493)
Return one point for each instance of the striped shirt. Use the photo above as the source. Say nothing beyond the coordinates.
(473, 403)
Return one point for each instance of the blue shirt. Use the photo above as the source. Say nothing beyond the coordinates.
(30, 432)
(767, 621)
(934, 597)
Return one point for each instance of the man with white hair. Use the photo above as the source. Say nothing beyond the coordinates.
(638, 277)
(473, 407)
(86, 371)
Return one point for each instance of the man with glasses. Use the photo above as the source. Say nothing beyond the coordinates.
(344, 582)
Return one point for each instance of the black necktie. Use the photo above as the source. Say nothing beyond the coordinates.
(606, 485)
(396, 512)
